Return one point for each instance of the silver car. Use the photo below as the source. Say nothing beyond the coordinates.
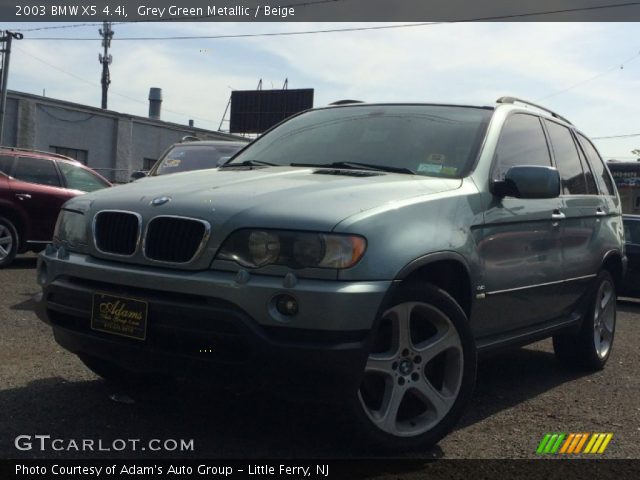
(366, 253)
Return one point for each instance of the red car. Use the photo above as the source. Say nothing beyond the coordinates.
(33, 187)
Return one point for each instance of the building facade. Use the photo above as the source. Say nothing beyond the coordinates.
(112, 143)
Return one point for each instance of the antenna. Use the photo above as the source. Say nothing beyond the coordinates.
(105, 59)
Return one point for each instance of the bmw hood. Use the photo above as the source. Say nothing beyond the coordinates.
(273, 197)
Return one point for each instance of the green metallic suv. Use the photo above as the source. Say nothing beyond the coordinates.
(367, 253)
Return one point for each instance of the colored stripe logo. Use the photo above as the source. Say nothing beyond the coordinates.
(573, 443)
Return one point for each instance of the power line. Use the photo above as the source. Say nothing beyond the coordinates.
(249, 35)
(617, 67)
(629, 135)
(58, 27)
(89, 82)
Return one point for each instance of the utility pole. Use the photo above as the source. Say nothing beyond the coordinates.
(105, 59)
(5, 50)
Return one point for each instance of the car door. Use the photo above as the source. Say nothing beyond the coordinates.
(610, 228)
(583, 208)
(38, 193)
(6, 163)
(519, 243)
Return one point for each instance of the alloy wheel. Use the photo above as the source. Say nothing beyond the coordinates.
(414, 374)
(604, 318)
(6, 242)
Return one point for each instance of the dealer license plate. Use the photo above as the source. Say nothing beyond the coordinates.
(119, 315)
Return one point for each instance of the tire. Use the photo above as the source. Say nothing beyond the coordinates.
(590, 348)
(9, 242)
(420, 373)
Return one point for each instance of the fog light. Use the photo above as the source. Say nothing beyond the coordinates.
(286, 305)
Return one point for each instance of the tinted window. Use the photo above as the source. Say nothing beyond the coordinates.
(183, 158)
(522, 142)
(80, 179)
(5, 163)
(631, 231)
(597, 164)
(429, 140)
(36, 170)
(592, 189)
(567, 159)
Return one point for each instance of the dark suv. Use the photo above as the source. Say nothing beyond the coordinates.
(192, 154)
(33, 187)
(367, 253)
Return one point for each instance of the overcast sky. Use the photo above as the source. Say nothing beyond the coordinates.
(588, 72)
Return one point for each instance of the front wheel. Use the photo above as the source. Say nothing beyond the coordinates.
(590, 348)
(420, 372)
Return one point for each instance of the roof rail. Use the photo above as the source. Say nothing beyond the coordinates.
(31, 150)
(345, 102)
(189, 138)
(526, 102)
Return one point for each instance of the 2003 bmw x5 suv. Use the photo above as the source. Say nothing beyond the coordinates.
(369, 252)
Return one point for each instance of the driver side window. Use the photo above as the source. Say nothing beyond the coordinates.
(522, 142)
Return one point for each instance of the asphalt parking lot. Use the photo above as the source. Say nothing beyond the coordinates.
(520, 396)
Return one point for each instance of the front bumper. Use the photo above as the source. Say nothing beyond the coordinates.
(213, 325)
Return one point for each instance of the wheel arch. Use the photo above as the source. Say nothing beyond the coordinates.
(613, 263)
(447, 270)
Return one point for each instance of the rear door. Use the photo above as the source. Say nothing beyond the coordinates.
(37, 190)
(610, 228)
(519, 246)
(6, 163)
(583, 208)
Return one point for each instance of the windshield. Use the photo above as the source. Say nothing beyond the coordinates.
(439, 141)
(183, 158)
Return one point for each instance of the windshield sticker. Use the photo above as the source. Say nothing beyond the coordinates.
(449, 170)
(436, 158)
(429, 168)
(172, 162)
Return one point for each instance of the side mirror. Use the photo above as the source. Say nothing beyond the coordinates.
(138, 174)
(528, 182)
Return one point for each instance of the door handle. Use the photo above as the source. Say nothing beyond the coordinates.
(600, 212)
(23, 196)
(558, 215)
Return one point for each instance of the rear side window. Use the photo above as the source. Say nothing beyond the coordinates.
(567, 159)
(592, 188)
(80, 179)
(599, 168)
(631, 231)
(5, 163)
(522, 142)
(36, 170)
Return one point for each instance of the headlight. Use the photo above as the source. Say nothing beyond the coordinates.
(70, 231)
(257, 248)
(264, 248)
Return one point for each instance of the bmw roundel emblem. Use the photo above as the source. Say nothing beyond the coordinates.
(156, 202)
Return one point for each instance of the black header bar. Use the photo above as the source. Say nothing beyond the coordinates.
(317, 10)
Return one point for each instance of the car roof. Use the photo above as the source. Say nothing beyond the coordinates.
(209, 143)
(510, 103)
(26, 152)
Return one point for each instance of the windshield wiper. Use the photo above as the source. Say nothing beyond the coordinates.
(356, 165)
(249, 163)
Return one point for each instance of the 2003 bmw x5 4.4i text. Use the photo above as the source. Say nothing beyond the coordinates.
(369, 252)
